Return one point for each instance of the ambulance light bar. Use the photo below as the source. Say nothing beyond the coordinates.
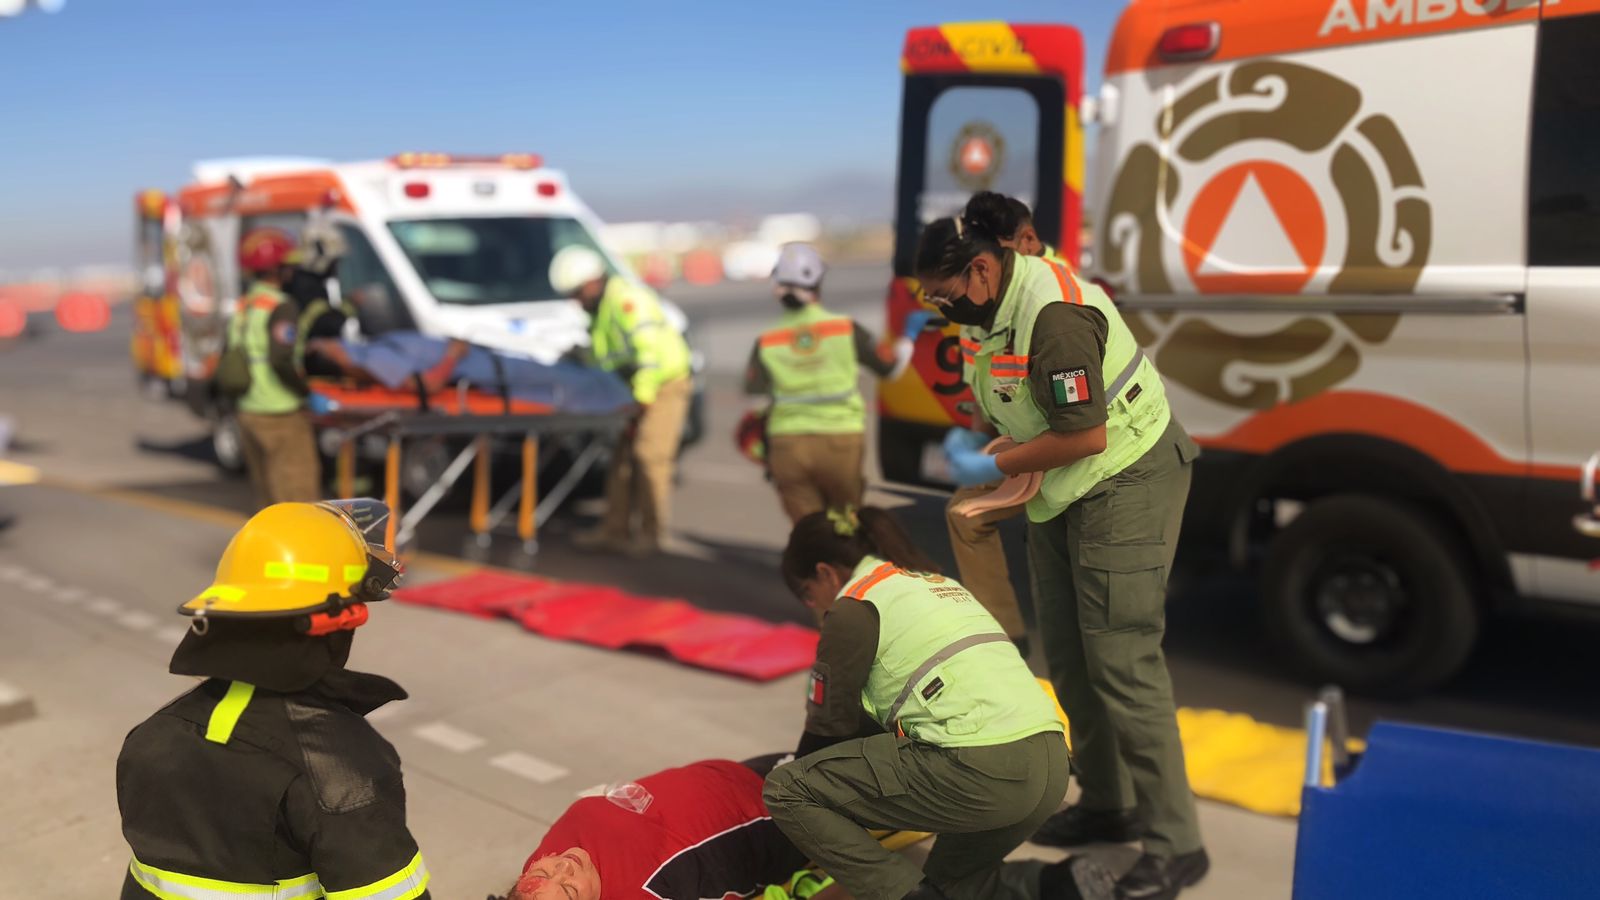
(445, 160)
(1188, 43)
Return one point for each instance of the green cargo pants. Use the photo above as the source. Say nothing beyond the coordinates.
(1100, 587)
(983, 802)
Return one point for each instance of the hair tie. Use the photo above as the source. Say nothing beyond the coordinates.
(957, 220)
(845, 522)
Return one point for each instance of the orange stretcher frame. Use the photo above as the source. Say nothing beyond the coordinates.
(479, 417)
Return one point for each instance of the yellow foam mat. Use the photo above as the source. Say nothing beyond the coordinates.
(1232, 758)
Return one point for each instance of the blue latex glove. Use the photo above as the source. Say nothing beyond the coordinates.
(916, 321)
(970, 467)
(957, 440)
(320, 405)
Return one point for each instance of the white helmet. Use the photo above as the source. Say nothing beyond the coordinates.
(574, 266)
(799, 265)
(321, 245)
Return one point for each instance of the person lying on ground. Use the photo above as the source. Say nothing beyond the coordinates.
(690, 832)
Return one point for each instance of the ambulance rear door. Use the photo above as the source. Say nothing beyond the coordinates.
(986, 106)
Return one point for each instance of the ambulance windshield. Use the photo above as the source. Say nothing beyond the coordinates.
(483, 261)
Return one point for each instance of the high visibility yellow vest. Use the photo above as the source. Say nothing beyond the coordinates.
(945, 672)
(268, 395)
(811, 356)
(630, 332)
(995, 365)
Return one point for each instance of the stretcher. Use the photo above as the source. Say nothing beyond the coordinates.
(484, 421)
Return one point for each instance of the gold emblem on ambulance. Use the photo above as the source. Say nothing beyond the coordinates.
(1269, 179)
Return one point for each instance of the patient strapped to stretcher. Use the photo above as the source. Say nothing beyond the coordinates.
(416, 369)
(696, 831)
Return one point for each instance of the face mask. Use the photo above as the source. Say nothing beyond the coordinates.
(791, 300)
(962, 311)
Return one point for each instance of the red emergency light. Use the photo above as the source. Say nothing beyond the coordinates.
(418, 190)
(1188, 43)
(521, 161)
(548, 189)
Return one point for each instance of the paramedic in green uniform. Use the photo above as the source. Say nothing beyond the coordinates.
(962, 741)
(1052, 366)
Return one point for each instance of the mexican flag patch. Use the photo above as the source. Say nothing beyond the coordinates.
(817, 688)
(1070, 387)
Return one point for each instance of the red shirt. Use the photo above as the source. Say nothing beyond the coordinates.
(706, 834)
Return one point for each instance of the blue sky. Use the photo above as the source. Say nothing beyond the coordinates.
(649, 107)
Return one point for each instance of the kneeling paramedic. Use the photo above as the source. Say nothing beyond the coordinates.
(972, 748)
(266, 780)
(629, 334)
(809, 364)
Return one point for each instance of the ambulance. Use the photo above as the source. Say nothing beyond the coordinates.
(1361, 241)
(452, 246)
(156, 339)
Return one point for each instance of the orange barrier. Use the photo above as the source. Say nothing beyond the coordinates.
(13, 319)
(702, 267)
(83, 313)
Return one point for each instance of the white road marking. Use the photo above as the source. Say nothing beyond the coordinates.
(34, 582)
(12, 573)
(449, 737)
(530, 767)
(70, 594)
(136, 620)
(105, 606)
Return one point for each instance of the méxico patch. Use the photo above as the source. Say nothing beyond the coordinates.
(817, 687)
(1070, 387)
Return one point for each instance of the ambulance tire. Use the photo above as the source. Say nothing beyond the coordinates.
(1371, 594)
(227, 443)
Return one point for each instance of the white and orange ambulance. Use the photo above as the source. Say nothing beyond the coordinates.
(1361, 241)
(449, 245)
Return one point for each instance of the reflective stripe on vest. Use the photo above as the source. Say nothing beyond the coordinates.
(219, 729)
(944, 672)
(1134, 395)
(178, 886)
(811, 359)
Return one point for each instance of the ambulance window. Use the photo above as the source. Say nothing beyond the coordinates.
(482, 261)
(979, 138)
(364, 283)
(1563, 179)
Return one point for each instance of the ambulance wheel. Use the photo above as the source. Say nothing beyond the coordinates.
(227, 443)
(1371, 594)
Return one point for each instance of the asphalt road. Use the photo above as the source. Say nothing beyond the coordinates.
(504, 728)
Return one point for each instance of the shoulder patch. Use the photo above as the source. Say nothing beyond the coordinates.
(283, 332)
(817, 685)
(1070, 387)
(350, 764)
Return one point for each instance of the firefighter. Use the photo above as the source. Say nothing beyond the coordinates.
(280, 448)
(808, 363)
(1052, 366)
(629, 334)
(266, 780)
(968, 746)
(312, 285)
(975, 541)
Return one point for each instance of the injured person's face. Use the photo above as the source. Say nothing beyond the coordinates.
(570, 875)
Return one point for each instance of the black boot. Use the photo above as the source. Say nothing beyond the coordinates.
(1076, 826)
(1155, 878)
(1077, 878)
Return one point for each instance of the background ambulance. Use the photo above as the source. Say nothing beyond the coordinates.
(1361, 241)
(452, 246)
